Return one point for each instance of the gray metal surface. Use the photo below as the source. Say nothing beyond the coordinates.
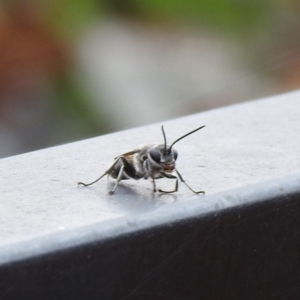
(278, 190)
(241, 145)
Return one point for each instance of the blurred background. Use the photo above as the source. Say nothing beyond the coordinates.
(80, 68)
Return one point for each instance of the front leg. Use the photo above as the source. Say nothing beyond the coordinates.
(182, 180)
(171, 176)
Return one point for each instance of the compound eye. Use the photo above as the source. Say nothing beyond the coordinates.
(175, 154)
(155, 155)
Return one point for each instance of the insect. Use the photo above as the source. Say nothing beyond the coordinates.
(149, 161)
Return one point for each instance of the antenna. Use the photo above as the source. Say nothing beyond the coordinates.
(165, 139)
(185, 136)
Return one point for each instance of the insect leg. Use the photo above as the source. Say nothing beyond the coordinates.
(171, 176)
(107, 172)
(182, 180)
(154, 185)
(120, 176)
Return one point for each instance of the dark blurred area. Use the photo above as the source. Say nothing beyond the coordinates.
(75, 69)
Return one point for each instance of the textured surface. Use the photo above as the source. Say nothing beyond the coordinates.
(241, 145)
(240, 244)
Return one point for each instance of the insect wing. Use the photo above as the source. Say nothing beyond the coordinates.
(129, 153)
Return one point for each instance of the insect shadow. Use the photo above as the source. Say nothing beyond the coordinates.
(129, 192)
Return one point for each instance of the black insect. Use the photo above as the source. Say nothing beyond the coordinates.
(149, 161)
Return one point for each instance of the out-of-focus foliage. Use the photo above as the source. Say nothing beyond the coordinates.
(69, 16)
(232, 15)
(44, 99)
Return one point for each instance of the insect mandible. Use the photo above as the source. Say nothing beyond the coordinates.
(149, 161)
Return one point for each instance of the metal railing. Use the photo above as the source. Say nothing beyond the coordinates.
(239, 241)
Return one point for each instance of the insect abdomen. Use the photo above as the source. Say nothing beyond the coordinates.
(129, 170)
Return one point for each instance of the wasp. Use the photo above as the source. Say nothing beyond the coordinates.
(149, 162)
